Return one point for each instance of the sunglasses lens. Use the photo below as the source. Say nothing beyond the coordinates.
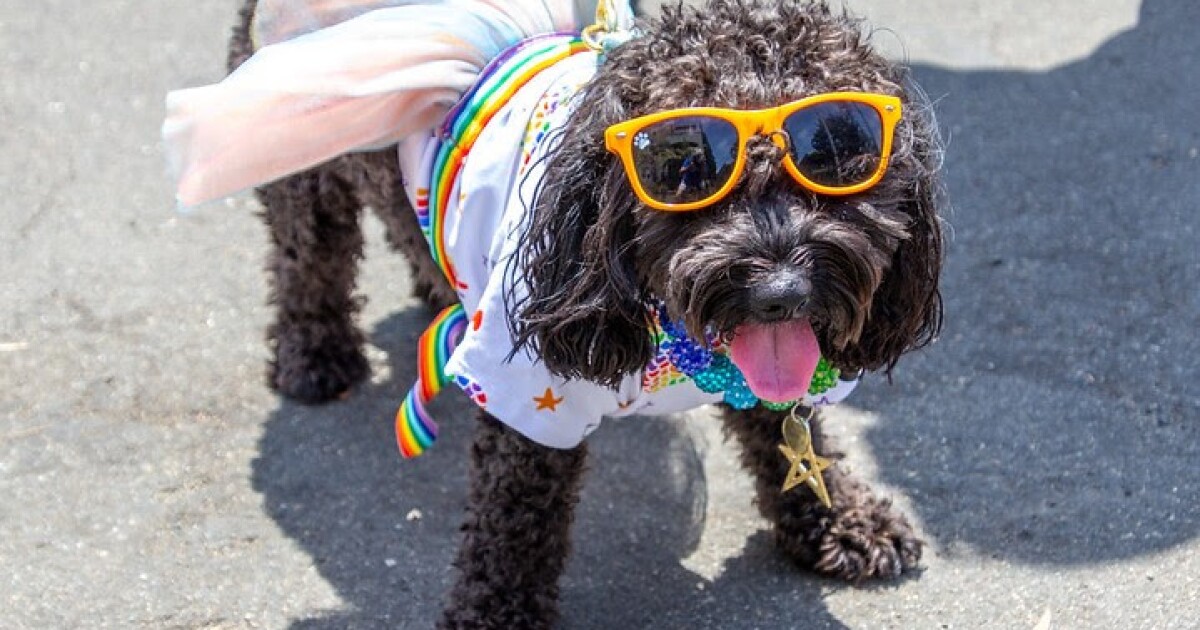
(685, 159)
(836, 144)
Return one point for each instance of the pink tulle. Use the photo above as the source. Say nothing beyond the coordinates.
(392, 69)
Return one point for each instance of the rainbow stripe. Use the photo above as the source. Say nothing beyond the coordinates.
(503, 77)
(415, 428)
(499, 81)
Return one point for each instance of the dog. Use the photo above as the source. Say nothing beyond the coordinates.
(781, 250)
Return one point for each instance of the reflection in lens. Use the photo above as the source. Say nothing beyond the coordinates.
(687, 159)
(836, 144)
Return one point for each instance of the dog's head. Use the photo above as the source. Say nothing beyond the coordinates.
(861, 269)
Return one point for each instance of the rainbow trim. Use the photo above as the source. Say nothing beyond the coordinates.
(503, 77)
(507, 74)
(415, 428)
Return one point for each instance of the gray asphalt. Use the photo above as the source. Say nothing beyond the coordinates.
(1048, 445)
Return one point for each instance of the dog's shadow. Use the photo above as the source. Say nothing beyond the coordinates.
(1055, 423)
(383, 531)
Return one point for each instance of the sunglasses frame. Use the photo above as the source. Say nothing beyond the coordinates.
(619, 138)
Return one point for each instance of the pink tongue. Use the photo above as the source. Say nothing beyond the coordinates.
(778, 360)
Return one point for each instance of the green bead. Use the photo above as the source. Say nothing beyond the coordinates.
(824, 378)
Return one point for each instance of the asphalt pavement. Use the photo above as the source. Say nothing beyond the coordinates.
(1048, 445)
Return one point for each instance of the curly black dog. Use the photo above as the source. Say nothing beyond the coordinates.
(862, 268)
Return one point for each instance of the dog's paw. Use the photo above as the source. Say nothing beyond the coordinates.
(860, 538)
(866, 541)
(317, 374)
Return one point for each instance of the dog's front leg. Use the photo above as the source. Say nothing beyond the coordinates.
(516, 535)
(860, 537)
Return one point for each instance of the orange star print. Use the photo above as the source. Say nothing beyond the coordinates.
(547, 400)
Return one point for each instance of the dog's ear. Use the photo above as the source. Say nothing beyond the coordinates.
(906, 309)
(585, 314)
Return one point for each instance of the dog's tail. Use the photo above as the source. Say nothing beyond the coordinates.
(335, 76)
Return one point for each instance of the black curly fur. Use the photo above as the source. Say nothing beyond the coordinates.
(516, 535)
(600, 258)
(873, 258)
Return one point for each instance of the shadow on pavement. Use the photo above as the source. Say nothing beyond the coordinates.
(1054, 423)
(332, 479)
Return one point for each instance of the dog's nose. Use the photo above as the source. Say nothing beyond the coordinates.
(780, 296)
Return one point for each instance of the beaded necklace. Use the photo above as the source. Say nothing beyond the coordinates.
(709, 367)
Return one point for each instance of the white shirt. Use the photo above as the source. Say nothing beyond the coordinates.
(489, 203)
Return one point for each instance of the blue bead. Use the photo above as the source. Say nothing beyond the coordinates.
(709, 383)
(722, 364)
(687, 356)
(740, 398)
(672, 329)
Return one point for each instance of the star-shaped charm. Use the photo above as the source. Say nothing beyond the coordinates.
(547, 401)
(806, 465)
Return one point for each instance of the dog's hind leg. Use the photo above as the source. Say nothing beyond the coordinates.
(860, 537)
(376, 176)
(313, 219)
(316, 243)
(516, 535)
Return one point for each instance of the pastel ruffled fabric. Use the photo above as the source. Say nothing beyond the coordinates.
(336, 76)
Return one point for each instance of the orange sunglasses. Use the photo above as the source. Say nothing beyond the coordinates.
(683, 159)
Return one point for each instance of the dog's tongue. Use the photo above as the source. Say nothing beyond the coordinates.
(778, 360)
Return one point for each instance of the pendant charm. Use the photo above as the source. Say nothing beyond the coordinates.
(806, 465)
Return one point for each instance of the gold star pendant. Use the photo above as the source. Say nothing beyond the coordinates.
(547, 401)
(806, 465)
